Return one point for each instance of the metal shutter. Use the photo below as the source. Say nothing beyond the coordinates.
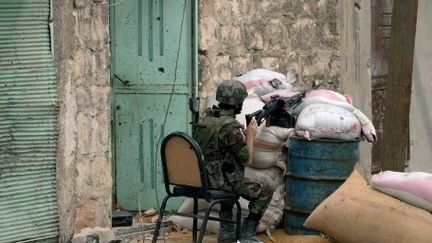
(28, 123)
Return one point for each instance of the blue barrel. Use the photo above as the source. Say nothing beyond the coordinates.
(315, 170)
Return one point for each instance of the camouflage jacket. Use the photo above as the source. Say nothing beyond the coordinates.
(221, 140)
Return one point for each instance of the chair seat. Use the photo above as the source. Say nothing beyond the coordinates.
(210, 194)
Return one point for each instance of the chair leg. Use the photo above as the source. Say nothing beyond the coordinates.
(195, 220)
(159, 221)
(238, 222)
(204, 223)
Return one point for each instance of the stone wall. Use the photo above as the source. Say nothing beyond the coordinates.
(301, 35)
(421, 100)
(81, 41)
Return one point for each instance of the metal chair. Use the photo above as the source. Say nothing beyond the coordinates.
(185, 176)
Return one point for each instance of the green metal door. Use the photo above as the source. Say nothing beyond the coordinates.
(28, 123)
(153, 78)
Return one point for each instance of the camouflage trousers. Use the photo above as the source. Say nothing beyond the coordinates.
(258, 195)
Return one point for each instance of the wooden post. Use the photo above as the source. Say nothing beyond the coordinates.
(398, 94)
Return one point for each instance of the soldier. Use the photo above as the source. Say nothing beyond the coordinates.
(227, 148)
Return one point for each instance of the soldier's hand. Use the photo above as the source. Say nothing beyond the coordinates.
(251, 129)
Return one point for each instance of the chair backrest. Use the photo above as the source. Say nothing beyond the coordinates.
(183, 162)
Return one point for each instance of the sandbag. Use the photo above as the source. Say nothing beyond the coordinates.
(327, 121)
(269, 146)
(251, 104)
(187, 206)
(274, 213)
(270, 220)
(414, 188)
(333, 98)
(357, 213)
(279, 93)
(212, 225)
(269, 178)
(263, 81)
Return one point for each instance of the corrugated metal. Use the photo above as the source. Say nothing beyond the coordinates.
(28, 123)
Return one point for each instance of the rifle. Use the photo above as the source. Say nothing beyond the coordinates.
(279, 110)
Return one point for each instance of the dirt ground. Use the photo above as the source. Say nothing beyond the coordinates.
(279, 237)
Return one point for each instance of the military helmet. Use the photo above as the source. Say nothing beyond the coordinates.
(231, 92)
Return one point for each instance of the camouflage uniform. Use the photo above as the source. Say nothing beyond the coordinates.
(225, 152)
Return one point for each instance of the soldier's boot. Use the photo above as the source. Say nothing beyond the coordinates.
(248, 232)
(227, 231)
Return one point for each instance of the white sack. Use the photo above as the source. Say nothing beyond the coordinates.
(270, 220)
(187, 205)
(261, 73)
(414, 188)
(279, 93)
(333, 98)
(327, 121)
(269, 146)
(212, 225)
(251, 104)
(263, 81)
(274, 213)
(269, 178)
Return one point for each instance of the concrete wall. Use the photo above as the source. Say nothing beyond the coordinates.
(421, 99)
(355, 17)
(81, 50)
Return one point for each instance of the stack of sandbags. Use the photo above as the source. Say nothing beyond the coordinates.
(357, 213)
(336, 104)
(212, 226)
(414, 188)
(327, 121)
(328, 114)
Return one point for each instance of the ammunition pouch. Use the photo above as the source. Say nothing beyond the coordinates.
(215, 175)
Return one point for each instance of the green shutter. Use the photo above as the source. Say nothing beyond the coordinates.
(28, 123)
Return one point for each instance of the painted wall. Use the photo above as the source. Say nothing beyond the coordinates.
(421, 99)
(83, 170)
(355, 22)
